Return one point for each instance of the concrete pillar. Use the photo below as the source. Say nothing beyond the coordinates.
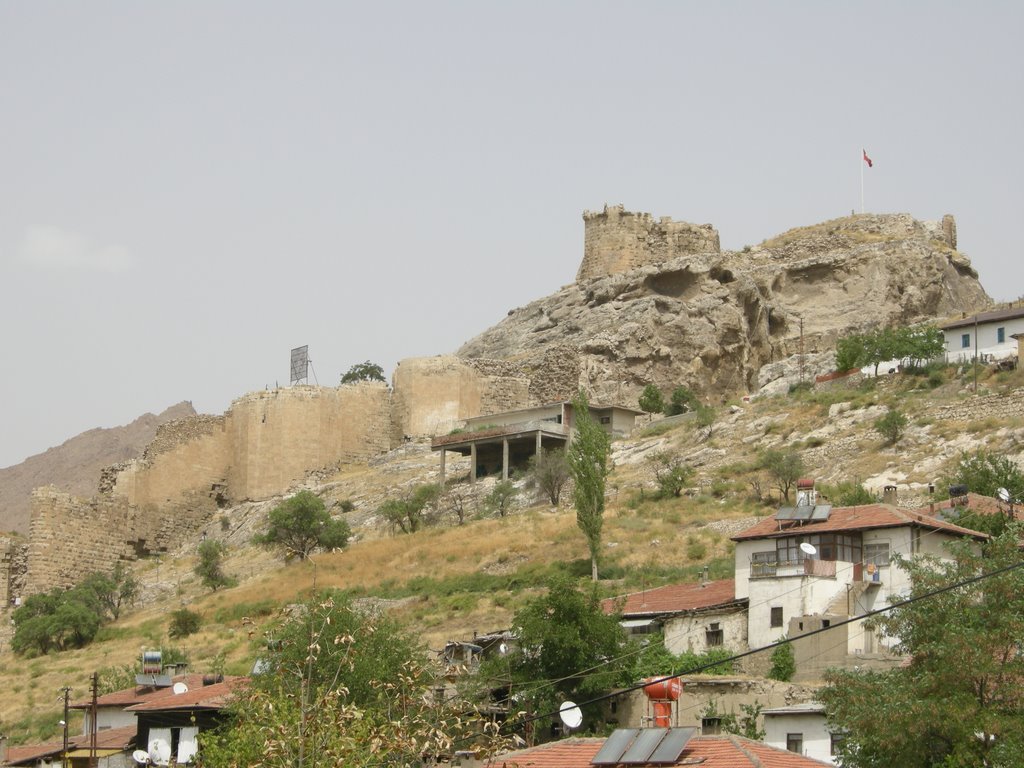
(504, 458)
(442, 465)
(472, 463)
(536, 452)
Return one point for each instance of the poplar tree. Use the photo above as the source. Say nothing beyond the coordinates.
(588, 464)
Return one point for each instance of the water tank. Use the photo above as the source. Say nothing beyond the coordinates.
(663, 689)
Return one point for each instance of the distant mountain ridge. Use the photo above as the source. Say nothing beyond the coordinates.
(74, 466)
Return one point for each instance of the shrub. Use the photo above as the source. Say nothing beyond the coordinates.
(671, 474)
(651, 399)
(210, 568)
(892, 426)
(682, 401)
(184, 623)
(783, 663)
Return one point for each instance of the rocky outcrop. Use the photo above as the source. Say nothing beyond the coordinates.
(712, 319)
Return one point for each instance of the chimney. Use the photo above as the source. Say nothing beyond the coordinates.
(889, 495)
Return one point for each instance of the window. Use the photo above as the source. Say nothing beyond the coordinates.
(710, 726)
(795, 742)
(835, 739)
(714, 635)
(965, 341)
(763, 564)
(876, 554)
(845, 547)
(606, 419)
(1000, 335)
(777, 616)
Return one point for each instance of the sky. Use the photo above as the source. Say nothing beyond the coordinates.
(190, 189)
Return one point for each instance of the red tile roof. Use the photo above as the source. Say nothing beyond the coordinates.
(674, 598)
(214, 696)
(984, 505)
(862, 518)
(715, 751)
(109, 738)
(128, 697)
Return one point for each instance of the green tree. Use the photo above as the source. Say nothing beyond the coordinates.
(848, 493)
(57, 620)
(744, 725)
(343, 688)
(681, 401)
(957, 703)
(891, 426)
(114, 590)
(706, 416)
(550, 472)
(651, 399)
(985, 472)
(301, 525)
(210, 568)
(588, 464)
(785, 467)
(184, 622)
(850, 352)
(412, 512)
(365, 371)
(566, 638)
(501, 498)
(671, 474)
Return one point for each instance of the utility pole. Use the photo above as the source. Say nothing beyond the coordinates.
(93, 759)
(66, 690)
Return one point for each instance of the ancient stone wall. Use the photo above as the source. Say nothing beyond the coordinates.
(6, 556)
(275, 437)
(616, 240)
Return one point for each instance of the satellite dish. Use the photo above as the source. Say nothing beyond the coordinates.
(503, 649)
(808, 549)
(1003, 494)
(570, 714)
(179, 688)
(159, 752)
(141, 756)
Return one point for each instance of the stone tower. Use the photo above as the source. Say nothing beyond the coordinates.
(616, 240)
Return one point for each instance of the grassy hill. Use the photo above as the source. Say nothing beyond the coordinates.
(450, 580)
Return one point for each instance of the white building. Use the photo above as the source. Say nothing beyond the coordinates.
(811, 566)
(802, 729)
(989, 335)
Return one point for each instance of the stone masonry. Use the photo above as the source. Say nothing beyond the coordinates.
(617, 240)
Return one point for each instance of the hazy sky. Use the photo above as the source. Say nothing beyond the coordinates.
(190, 189)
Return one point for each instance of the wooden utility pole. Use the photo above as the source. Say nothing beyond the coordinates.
(64, 755)
(93, 758)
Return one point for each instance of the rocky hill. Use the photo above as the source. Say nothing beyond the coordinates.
(657, 300)
(74, 466)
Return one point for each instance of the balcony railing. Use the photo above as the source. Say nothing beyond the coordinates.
(805, 567)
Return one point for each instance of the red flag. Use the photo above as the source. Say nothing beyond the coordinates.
(867, 159)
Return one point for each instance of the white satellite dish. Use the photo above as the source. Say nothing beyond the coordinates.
(141, 756)
(570, 714)
(808, 549)
(179, 688)
(503, 649)
(1003, 494)
(160, 752)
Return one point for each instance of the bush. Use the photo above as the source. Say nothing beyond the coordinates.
(301, 525)
(783, 663)
(892, 426)
(210, 568)
(551, 473)
(671, 474)
(184, 623)
(682, 401)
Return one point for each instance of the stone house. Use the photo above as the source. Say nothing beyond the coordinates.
(691, 617)
(986, 335)
(503, 442)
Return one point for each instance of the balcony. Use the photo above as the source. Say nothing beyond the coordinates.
(770, 569)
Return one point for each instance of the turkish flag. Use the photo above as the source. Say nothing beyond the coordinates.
(867, 159)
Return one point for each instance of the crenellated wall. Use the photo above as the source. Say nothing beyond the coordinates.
(616, 240)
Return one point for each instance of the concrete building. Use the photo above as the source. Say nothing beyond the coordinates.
(987, 335)
(502, 442)
(802, 729)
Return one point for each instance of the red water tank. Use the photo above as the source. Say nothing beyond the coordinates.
(663, 688)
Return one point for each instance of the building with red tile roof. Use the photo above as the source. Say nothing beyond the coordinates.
(112, 745)
(706, 751)
(692, 617)
(812, 566)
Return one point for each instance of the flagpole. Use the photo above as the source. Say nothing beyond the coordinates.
(861, 159)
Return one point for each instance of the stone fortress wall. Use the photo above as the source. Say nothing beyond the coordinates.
(616, 240)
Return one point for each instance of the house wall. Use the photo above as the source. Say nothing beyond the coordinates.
(688, 633)
(816, 736)
(108, 717)
(521, 416)
(987, 340)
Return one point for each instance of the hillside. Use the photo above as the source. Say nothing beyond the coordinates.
(450, 580)
(74, 465)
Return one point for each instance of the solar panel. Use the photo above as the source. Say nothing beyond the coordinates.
(644, 746)
(640, 751)
(803, 512)
(673, 745)
(614, 746)
(785, 513)
(821, 512)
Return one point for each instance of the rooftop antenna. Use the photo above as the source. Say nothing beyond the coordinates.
(808, 549)
(179, 688)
